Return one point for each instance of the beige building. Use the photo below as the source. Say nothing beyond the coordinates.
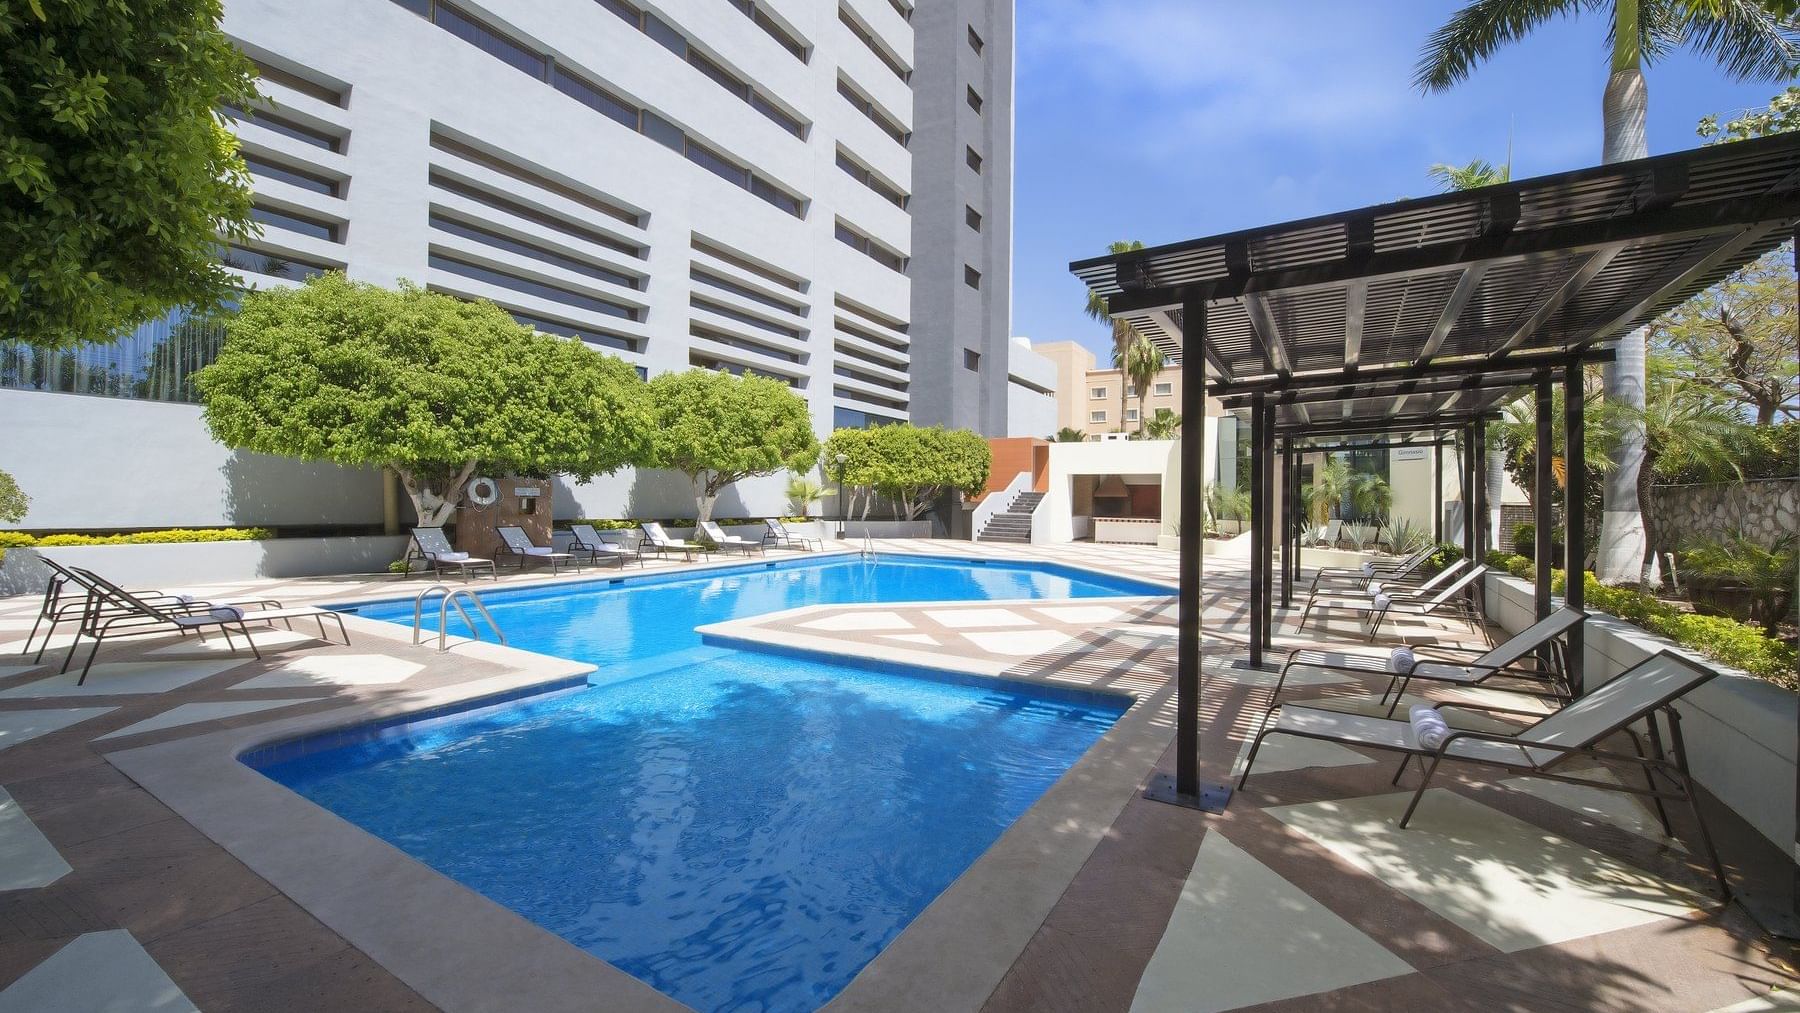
(1088, 398)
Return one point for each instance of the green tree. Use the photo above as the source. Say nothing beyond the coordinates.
(13, 501)
(915, 464)
(1780, 116)
(1123, 334)
(1767, 572)
(717, 428)
(1749, 40)
(1142, 363)
(122, 178)
(1164, 425)
(803, 493)
(852, 460)
(1474, 175)
(426, 385)
(1737, 338)
(1684, 428)
(1068, 435)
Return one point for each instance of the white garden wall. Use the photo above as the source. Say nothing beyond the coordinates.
(204, 562)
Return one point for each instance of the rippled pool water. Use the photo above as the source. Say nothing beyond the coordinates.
(739, 829)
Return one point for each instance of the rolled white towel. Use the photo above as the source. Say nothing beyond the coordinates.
(539, 550)
(185, 599)
(228, 613)
(452, 557)
(1401, 661)
(1368, 569)
(1429, 728)
(1382, 601)
(1375, 587)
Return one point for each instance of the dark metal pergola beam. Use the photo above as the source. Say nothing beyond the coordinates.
(1375, 390)
(1371, 427)
(1225, 390)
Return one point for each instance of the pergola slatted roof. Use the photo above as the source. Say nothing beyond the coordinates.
(1555, 264)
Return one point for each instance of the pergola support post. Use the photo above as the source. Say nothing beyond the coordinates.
(1543, 492)
(1478, 473)
(1269, 524)
(1437, 486)
(1259, 508)
(1183, 788)
(1296, 523)
(1466, 493)
(1575, 516)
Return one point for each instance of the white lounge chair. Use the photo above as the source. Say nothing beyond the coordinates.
(1453, 601)
(784, 539)
(515, 542)
(727, 541)
(436, 550)
(584, 539)
(1375, 569)
(1394, 589)
(1543, 748)
(60, 604)
(655, 538)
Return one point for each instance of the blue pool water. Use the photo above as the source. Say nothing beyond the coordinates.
(739, 829)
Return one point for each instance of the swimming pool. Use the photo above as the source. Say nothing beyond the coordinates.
(739, 829)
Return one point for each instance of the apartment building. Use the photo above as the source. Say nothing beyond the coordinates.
(1088, 397)
(818, 192)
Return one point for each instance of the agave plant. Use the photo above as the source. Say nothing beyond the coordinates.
(1406, 535)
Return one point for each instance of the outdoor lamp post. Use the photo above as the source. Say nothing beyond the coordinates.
(843, 505)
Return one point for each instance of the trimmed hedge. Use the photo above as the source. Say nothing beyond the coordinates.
(1723, 639)
(172, 536)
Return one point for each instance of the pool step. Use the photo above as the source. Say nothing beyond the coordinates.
(1014, 523)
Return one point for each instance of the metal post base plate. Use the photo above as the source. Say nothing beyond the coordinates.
(1212, 798)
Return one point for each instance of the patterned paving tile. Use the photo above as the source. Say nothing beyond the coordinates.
(1241, 935)
(1289, 752)
(27, 859)
(924, 639)
(974, 619)
(1615, 808)
(858, 622)
(114, 678)
(328, 670)
(100, 972)
(1507, 882)
(1018, 643)
(1081, 613)
(189, 713)
(217, 646)
(25, 725)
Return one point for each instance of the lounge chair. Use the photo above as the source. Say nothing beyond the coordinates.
(1543, 747)
(515, 542)
(1375, 569)
(1509, 660)
(117, 612)
(725, 541)
(60, 604)
(436, 550)
(584, 540)
(658, 540)
(1453, 601)
(782, 538)
(1401, 589)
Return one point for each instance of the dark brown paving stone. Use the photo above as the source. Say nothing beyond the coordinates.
(19, 956)
(115, 811)
(273, 938)
(346, 980)
(54, 912)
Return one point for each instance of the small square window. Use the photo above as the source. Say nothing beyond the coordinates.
(971, 360)
(971, 277)
(972, 218)
(975, 42)
(1131, 414)
(1097, 417)
(974, 100)
(972, 158)
(1097, 393)
(1164, 389)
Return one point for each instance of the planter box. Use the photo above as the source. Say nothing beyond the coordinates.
(203, 562)
(1126, 530)
(1739, 729)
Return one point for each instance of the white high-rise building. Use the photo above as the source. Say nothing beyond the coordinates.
(815, 190)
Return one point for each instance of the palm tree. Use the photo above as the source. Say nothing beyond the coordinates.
(1165, 425)
(1068, 435)
(1684, 427)
(1123, 334)
(1143, 361)
(1479, 172)
(1748, 39)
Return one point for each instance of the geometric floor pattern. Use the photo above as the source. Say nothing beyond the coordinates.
(98, 972)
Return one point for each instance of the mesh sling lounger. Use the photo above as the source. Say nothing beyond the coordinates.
(59, 607)
(1381, 606)
(1429, 586)
(584, 539)
(1502, 661)
(725, 541)
(658, 539)
(515, 542)
(783, 538)
(436, 550)
(140, 617)
(1637, 694)
(1385, 569)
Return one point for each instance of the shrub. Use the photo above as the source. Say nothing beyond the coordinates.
(1443, 556)
(400, 566)
(1525, 540)
(19, 540)
(16, 540)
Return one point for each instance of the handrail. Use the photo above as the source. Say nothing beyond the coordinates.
(450, 598)
(997, 502)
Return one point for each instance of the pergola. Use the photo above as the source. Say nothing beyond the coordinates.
(1426, 317)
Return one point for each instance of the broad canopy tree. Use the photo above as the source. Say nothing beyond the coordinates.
(1737, 338)
(418, 382)
(911, 465)
(717, 429)
(117, 178)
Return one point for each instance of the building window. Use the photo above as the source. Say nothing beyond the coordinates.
(972, 218)
(975, 42)
(971, 360)
(155, 362)
(875, 251)
(303, 224)
(1097, 417)
(1097, 393)
(275, 265)
(1131, 415)
(302, 178)
(286, 127)
(530, 286)
(972, 158)
(1163, 389)
(887, 190)
(974, 100)
(755, 12)
(888, 60)
(971, 277)
(876, 115)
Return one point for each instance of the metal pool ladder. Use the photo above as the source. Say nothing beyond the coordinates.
(868, 547)
(451, 594)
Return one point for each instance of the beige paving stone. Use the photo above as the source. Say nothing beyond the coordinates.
(328, 670)
(116, 677)
(25, 725)
(27, 859)
(858, 622)
(977, 618)
(100, 972)
(911, 638)
(1018, 643)
(1080, 614)
(1615, 808)
(189, 713)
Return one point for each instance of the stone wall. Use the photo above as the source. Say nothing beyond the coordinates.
(1765, 509)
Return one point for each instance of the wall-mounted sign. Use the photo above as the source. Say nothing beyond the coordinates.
(1409, 453)
(528, 491)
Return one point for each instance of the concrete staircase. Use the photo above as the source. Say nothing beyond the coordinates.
(1014, 523)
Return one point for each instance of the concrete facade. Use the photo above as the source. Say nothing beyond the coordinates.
(1087, 397)
(748, 186)
(1031, 401)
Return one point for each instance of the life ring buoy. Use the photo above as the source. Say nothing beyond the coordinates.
(484, 492)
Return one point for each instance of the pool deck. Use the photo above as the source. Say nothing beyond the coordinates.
(144, 866)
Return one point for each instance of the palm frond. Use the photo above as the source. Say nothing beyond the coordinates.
(1476, 32)
(1744, 38)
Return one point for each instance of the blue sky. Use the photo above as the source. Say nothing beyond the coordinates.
(1161, 120)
